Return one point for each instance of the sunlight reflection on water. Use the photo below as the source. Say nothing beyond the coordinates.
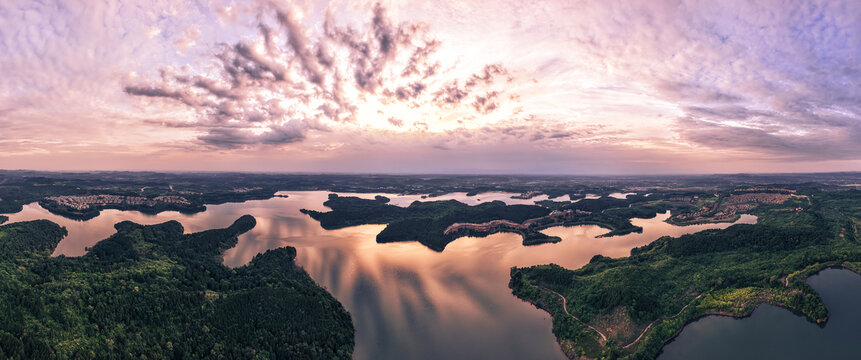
(406, 301)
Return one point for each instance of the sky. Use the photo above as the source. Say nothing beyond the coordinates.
(513, 87)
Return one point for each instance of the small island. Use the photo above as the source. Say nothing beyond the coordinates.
(630, 307)
(154, 292)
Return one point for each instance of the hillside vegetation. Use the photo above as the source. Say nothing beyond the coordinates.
(154, 292)
(629, 307)
(437, 223)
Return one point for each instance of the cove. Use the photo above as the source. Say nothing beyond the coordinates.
(772, 332)
(406, 300)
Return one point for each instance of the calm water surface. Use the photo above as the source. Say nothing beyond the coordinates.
(407, 302)
(772, 332)
(620, 195)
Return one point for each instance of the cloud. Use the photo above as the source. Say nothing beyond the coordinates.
(677, 72)
(486, 103)
(396, 122)
(761, 84)
(229, 138)
(267, 90)
(189, 38)
(779, 81)
(60, 66)
(780, 135)
(454, 92)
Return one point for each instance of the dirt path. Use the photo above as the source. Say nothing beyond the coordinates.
(565, 308)
(604, 337)
(653, 322)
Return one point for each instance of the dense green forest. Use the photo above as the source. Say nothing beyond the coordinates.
(154, 292)
(94, 211)
(422, 221)
(640, 302)
(616, 214)
(21, 187)
(426, 221)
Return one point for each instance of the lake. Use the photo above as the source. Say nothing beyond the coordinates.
(772, 332)
(406, 301)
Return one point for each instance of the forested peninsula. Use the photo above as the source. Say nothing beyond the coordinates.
(437, 223)
(154, 292)
(630, 307)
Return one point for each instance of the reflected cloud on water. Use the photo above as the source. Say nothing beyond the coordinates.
(406, 300)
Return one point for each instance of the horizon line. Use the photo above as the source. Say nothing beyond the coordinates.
(432, 173)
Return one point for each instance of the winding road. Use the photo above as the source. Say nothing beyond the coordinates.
(565, 308)
(653, 322)
(604, 337)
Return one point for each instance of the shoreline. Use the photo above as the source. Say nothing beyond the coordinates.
(703, 315)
